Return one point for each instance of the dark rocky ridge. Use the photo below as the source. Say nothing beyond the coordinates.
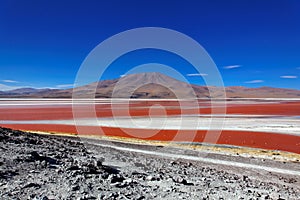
(54, 167)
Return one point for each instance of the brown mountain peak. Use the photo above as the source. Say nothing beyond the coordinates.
(152, 85)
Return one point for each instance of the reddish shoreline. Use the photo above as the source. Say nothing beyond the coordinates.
(263, 140)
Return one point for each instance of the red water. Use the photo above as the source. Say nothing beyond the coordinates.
(262, 140)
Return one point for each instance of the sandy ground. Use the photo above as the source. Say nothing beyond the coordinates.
(55, 167)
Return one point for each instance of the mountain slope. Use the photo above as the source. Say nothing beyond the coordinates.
(143, 85)
(153, 85)
(150, 85)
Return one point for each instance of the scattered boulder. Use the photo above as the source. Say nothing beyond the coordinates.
(29, 185)
(181, 180)
(113, 178)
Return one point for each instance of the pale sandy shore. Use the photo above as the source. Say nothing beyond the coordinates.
(62, 101)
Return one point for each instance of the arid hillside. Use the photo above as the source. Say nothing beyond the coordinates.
(151, 85)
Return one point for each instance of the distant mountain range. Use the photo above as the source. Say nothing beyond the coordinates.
(150, 85)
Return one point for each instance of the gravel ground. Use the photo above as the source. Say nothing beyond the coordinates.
(54, 167)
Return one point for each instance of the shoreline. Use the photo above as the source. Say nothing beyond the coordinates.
(228, 150)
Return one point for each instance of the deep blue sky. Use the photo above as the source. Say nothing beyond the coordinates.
(43, 43)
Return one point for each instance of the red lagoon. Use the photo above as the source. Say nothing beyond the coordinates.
(263, 140)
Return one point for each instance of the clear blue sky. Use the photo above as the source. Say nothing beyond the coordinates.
(43, 43)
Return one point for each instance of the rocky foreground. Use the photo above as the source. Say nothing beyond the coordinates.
(54, 167)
